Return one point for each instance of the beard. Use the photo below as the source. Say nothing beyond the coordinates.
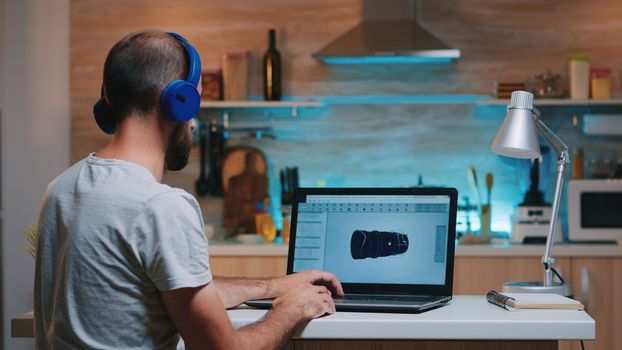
(178, 148)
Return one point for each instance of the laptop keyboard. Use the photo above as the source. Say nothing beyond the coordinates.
(404, 298)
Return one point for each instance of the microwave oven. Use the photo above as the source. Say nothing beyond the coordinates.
(595, 210)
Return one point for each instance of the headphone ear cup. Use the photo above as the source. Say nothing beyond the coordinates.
(180, 101)
(104, 116)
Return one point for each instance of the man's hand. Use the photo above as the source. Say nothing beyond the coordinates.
(287, 283)
(234, 291)
(305, 302)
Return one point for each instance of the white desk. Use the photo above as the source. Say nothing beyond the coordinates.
(466, 317)
(468, 322)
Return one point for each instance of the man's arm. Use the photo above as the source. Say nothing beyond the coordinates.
(234, 291)
(202, 321)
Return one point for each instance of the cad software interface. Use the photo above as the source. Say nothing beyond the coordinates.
(384, 239)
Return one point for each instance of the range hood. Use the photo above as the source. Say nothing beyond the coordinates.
(389, 33)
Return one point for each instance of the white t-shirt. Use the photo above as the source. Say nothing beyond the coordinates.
(110, 238)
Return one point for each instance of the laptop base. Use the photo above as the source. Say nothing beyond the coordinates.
(383, 306)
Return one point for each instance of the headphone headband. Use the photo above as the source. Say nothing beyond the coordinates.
(194, 61)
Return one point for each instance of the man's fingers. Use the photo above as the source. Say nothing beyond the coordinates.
(326, 305)
(331, 305)
(322, 290)
(329, 280)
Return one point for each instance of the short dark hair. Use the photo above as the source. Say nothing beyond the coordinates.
(138, 67)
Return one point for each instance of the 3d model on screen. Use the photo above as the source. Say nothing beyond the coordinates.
(374, 244)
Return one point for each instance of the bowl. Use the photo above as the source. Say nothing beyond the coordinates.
(250, 238)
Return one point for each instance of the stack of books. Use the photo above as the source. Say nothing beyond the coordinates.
(504, 89)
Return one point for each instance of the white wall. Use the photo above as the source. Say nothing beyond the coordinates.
(35, 134)
(2, 16)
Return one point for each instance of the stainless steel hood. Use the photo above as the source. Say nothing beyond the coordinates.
(389, 33)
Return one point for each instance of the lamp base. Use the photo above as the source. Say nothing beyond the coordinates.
(564, 289)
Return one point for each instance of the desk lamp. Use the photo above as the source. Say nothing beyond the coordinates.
(518, 138)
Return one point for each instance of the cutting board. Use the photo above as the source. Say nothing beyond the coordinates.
(245, 182)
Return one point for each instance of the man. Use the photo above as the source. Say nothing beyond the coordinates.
(122, 259)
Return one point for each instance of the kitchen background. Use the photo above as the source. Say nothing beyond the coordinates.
(369, 144)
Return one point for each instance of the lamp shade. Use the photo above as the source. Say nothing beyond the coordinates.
(518, 135)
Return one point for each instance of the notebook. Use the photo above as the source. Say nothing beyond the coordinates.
(391, 248)
(523, 301)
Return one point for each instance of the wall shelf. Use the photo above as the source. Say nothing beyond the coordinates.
(321, 101)
(555, 102)
(421, 99)
(295, 103)
(258, 104)
(265, 106)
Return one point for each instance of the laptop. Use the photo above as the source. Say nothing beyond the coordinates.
(391, 248)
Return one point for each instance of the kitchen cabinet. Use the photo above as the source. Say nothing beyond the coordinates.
(248, 266)
(597, 282)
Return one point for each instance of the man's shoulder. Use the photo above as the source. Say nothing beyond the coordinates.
(172, 200)
(122, 183)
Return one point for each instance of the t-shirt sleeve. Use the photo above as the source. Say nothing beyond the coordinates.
(173, 244)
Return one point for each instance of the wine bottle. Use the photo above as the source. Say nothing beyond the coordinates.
(272, 70)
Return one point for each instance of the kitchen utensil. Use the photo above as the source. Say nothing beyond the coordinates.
(234, 162)
(289, 182)
(489, 180)
(212, 140)
(472, 178)
(246, 184)
(486, 209)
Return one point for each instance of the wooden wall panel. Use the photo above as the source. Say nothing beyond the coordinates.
(478, 275)
(508, 39)
(364, 145)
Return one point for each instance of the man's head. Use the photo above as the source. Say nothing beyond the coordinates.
(136, 71)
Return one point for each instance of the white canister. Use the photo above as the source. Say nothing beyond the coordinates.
(579, 77)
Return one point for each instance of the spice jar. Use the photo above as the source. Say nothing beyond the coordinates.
(211, 82)
(600, 83)
(268, 228)
(577, 164)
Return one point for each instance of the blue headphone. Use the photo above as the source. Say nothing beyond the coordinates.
(179, 101)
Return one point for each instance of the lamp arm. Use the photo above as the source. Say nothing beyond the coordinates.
(547, 259)
(563, 158)
(558, 145)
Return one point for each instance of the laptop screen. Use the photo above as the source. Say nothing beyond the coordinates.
(374, 239)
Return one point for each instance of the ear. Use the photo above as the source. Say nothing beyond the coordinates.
(105, 95)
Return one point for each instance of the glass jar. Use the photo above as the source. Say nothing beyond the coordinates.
(268, 228)
(600, 83)
(546, 85)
